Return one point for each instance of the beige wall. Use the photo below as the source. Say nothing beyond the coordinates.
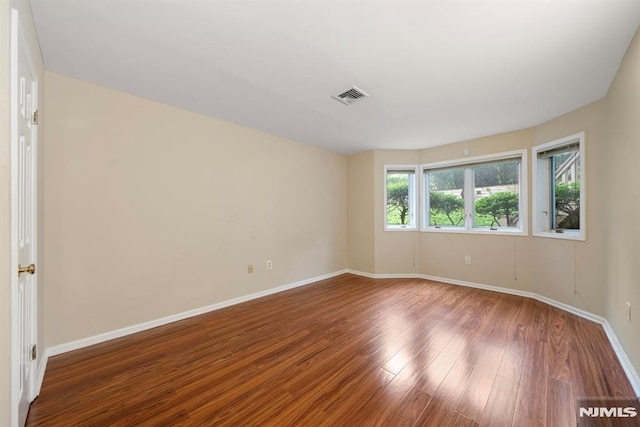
(152, 210)
(621, 160)
(405, 252)
(480, 146)
(5, 219)
(360, 207)
(573, 271)
(7, 269)
(567, 271)
(495, 260)
(395, 251)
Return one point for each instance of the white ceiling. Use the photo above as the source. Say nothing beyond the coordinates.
(438, 71)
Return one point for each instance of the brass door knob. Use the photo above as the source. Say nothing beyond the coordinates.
(31, 269)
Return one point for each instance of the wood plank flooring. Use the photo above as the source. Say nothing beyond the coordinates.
(348, 351)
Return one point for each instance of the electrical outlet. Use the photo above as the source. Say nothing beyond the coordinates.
(467, 260)
(269, 265)
(250, 268)
(628, 312)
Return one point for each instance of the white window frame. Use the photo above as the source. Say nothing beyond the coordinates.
(413, 198)
(469, 202)
(541, 190)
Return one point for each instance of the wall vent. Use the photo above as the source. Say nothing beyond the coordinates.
(350, 96)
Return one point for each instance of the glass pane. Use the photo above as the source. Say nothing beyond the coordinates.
(497, 194)
(446, 203)
(398, 198)
(566, 196)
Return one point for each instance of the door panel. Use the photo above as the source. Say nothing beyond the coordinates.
(24, 140)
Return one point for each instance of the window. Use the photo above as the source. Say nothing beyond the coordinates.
(480, 194)
(497, 194)
(559, 188)
(400, 197)
(444, 189)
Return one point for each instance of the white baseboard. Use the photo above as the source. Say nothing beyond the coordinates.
(571, 309)
(96, 339)
(509, 291)
(632, 374)
(364, 274)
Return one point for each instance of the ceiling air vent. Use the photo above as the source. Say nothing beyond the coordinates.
(350, 96)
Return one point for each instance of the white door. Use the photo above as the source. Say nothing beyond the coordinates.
(24, 140)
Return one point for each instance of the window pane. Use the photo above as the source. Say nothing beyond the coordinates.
(399, 186)
(497, 194)
(446, 203)
(565, 168)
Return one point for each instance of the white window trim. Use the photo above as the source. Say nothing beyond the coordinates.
(540, 197)
(413, 199)
(523, 230)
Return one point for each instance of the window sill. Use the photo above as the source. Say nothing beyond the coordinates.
(484, 231)
(400, 228)
(567, 235)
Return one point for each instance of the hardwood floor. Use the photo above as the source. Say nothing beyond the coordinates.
(347, 351)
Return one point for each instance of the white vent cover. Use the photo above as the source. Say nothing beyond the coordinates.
(350, 96)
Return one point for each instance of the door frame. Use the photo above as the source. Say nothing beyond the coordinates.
(19, 46)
